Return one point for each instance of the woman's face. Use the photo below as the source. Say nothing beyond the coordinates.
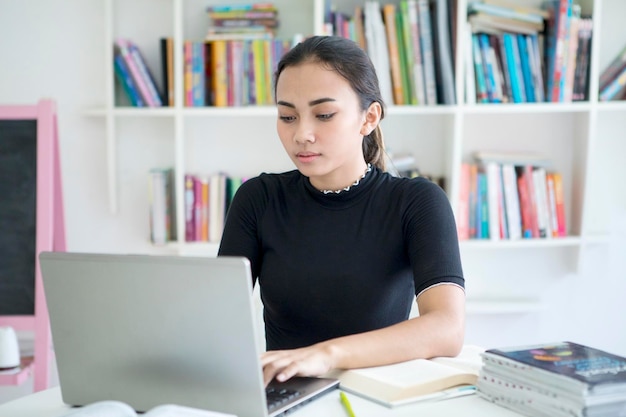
(321, 125)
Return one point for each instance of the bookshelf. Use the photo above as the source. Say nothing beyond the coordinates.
(582, 139)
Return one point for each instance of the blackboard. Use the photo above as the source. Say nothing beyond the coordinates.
(18, 206)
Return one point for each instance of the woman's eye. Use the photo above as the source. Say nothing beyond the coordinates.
(287, 119)
(326, 116)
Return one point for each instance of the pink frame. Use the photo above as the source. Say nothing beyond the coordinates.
(50, 235)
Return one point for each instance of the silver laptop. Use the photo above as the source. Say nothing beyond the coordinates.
(150, 330)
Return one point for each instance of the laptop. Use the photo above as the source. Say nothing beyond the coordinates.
(150, 330)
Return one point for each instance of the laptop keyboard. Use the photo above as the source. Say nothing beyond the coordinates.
(276, 397)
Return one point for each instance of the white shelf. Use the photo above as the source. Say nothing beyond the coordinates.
(521, 243)
(576, 136)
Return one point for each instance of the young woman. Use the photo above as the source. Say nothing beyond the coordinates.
(340, 247)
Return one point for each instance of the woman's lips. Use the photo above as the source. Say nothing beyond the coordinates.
(307, 156)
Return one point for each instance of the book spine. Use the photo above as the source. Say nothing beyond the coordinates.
(539, 184)
(473, 198)
(487, 68)
(512, 68)
(190, 235)
(514, 221)
(188, 73)
(582, 61)
(506, 73)
(493, 196)
(445, 52)
(525, 206)
(427, 51)
(389, 18)
(409, 59)
(241, 7)
(481, 82)
(526, 70)
(537, 70)
(572, 48)
(559, 196)
(219, 72)
(496, 63)
(562, 35)
(418, 65)
(519, 75)
(554, 220)
(504, 12)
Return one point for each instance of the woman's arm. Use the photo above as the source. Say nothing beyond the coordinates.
(439, 330)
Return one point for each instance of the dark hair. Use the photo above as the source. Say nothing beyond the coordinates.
(354, 65)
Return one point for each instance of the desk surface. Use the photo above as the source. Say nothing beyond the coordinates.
(48, 403)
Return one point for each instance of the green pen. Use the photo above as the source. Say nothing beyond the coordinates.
(346, 404)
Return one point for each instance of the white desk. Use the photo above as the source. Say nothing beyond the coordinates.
(48, 403)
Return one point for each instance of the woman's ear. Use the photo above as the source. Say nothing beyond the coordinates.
(372, 118)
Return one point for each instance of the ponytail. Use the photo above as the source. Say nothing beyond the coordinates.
(374, 148)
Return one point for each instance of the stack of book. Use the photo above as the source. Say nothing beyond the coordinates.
(522, 54)
(553, 380)
(134, 75)
(253, 20)
(613, 79)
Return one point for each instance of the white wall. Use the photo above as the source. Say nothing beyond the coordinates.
(55, 48)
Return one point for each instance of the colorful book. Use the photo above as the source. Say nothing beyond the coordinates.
(131, 89)
(145, 74)
(123, 47)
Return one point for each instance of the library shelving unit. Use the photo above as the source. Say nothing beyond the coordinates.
(582, 139)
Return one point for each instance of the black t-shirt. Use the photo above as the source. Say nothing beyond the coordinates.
(330, 265)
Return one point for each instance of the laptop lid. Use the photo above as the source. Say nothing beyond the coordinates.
(150, 330)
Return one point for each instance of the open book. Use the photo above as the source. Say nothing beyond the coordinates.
(416, 380)
(121, 409)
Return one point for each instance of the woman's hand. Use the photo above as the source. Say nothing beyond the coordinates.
(313, 360)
